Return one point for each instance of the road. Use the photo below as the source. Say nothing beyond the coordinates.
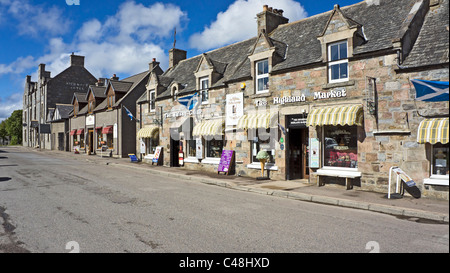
(61, 203)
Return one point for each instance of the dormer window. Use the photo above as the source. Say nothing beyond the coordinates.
(337, 62)
(91, 106)
(110, 101)
(204, 89)
(174, 93)
(262, 76)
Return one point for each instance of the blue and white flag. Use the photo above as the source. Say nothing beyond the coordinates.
(128, 113)
(431, 90)
(189, 101)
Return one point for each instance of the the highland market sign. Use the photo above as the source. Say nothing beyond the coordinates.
(334, 93)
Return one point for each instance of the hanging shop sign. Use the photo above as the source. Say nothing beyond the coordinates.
(234, 108)
(333, 93)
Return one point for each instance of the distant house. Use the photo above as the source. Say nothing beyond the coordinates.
(45, 93)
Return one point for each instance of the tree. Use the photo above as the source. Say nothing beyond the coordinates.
(3, 132)
(14, 127)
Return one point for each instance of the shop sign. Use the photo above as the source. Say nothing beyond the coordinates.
(90, 120)
(183, 113)
(225, 161)
(234, 108)
(199, 148)
(289, 99)
(297, 122)
(314, 153)
(334, 93)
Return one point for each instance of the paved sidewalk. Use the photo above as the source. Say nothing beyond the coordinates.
(420, 210)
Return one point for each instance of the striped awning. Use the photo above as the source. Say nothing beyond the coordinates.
(433, 130)
(341, 115)
(257, 120)
(148, 132)
(209, 128)
(107, 130)
(80, 131)
(73, 132)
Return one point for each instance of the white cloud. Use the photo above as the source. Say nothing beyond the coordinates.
(35, 20)
(9, 105)
(238, 22)
(20, 65)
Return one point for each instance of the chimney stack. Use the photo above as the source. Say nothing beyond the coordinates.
(175, 56)
(153, 64)
(269, 19)
(76, 60)
(114, 77)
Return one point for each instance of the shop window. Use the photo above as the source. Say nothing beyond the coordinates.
(338, 62)
(261, 140)
(340, 146)
(214, 148)
(81, 141)
(440, 156)
(109, 141)
(262, 76)
(100, 140)
(191, 148)
(151, 144)
(204, 92)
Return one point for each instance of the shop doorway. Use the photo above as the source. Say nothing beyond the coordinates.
(91, 142)
(174, 147)
(298, 148)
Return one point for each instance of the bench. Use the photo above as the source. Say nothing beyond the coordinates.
(348, 175)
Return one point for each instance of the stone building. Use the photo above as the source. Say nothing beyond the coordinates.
(45, 93)
(329, 98)
(100, 118)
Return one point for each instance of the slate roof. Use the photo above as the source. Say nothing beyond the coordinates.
(432, 45)
(298, 45)
(81, 97)
(64, 110)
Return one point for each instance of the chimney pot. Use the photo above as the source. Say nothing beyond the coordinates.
(265, 7)
(154, 59)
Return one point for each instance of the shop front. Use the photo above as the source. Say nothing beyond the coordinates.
(297, 152)
(338, 130)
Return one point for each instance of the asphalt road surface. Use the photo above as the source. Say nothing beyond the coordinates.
(55, 203)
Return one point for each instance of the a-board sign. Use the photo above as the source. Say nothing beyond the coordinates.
(133, 157)
(157, 155)
(411, 187)
(225, 161)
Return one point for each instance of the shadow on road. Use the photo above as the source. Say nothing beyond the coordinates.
(4, 179)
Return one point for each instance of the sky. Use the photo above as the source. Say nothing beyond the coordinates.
(122, 37)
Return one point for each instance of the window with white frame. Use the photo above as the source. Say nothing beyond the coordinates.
(204, 93)
(337, 62)
(152, 106)
(440, 155)
(262, 76)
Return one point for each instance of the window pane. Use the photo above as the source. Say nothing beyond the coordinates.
(440, 159)
(263, 84)
(340, 146)
(191, 148)
(263, 67)
(343, 70)
(334, 52)
(335, 72)
(343, 51)
(204, 84)
(205, 96)
(214, 148)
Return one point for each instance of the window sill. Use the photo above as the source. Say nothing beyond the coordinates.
(267, 166)
(261, 95)
(339, 172)
(338, 84)
(211, 160)
(191, 160)
(440, 180)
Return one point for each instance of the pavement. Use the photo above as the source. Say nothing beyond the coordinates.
(423, 210)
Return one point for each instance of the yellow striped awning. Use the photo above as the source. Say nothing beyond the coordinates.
(209, 128)
(341, 115)
(148, 132)
(433, 130)
(257, 120)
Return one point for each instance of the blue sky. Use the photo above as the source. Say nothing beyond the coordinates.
(122, 37)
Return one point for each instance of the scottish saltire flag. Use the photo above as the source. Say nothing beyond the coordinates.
(189, 101)
(431, 90)
(129, 113)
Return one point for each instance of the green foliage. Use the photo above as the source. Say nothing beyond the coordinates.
(12, 127)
